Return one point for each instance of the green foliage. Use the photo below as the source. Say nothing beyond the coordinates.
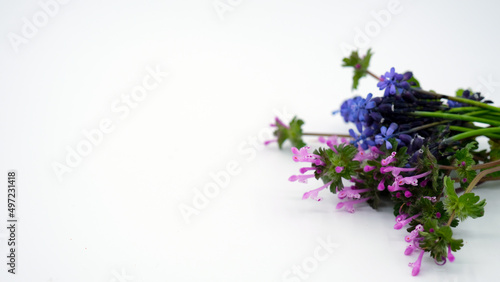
(465, 156)
(292, 133)
(360, 65)
(467, 205)
(429, 162)
(332, 160)
(494, 154)
(494, 149)
(436, 239)
(459, 92)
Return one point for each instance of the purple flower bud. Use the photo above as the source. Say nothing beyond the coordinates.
(409, 250)
(368, 168)
(451, 258)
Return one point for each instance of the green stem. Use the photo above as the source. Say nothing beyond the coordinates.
(466, 129)
(458, 99)
(474, 167)
(472, 133)
(326, 134)
(373, 75)
(455, 117)
(475, 113)
(416, 129)
(463, 109)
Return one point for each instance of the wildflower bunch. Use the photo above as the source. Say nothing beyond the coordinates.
(412, 146)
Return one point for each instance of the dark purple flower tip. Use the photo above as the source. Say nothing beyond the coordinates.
(357, 66)
(407, 75)
(440, 263)
(405, 138)
(438, 215)
(431, 230)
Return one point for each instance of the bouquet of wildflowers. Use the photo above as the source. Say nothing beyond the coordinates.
(415, 147)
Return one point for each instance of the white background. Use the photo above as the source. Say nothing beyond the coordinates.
(116, 216)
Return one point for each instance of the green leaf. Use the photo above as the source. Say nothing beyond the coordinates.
(451, 197)
(436, 239)
(360, 65)
(413, 82)
(494, 154)
(459, 92)
(464, 160)
(293, 133)
(469, 206)
(494, 149)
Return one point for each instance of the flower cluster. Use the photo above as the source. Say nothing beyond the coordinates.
(413, 147)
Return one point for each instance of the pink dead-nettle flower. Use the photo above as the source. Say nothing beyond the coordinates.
(389, 159)
(333, 140)
(376, 151)
(369, 168)
(413, 180)
(306, 169)
(270, 141)
(409, 250)
(303, 155)
(416, 264)
(278, 121)
(381, 185)
(313, 194)
(404, 222)
(397, 185)
(351, 193)
(339, 169)
(414, 234)
(362, 155)
(401, 217)
(301, 178)
(432, 199)
(395, 170)
(451, 257)
(349, 205)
